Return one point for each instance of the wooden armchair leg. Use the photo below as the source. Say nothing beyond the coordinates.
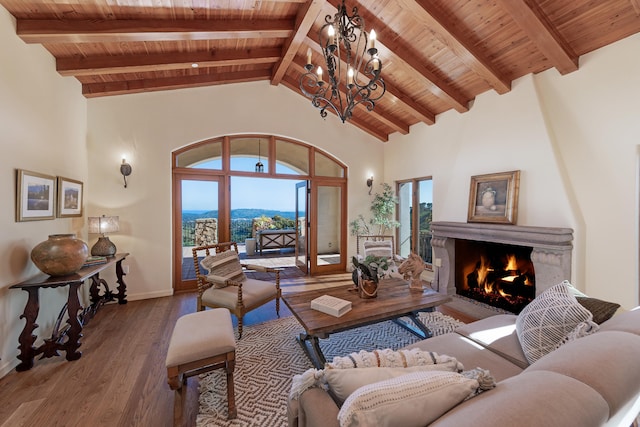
(239, 327)
(278, 306)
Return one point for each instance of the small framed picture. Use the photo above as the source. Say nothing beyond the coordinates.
(35, 196)
(69, 197)
(494, 198)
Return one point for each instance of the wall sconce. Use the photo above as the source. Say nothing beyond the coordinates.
(370, 184)
(103, 225)
(125, 170)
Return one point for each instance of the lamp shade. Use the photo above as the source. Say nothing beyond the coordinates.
(103, 224)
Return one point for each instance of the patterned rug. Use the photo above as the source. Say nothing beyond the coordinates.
(268, 356)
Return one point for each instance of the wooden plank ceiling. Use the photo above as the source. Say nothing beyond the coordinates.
(437, 55)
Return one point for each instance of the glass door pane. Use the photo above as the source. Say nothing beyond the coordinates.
(405, 209)
(302, 228)
(264, 206)
(329, 225)
(425, 200)
(198, 223)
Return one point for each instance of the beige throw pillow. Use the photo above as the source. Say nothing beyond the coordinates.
(414, 399)
(225, 264)
(343, 382)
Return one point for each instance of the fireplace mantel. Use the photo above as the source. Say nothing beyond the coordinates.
(551, 254)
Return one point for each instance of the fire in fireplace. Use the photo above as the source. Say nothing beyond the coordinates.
(496, 274)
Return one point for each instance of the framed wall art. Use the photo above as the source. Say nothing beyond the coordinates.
(35, 196)
(69, 197)
(494, 198)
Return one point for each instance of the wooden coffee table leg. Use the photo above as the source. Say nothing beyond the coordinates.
(417, 328)
(311, 346)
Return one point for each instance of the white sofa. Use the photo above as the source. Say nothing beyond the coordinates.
(592, 381)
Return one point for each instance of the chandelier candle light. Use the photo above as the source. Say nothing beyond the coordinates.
(103, 225)
(344, 44)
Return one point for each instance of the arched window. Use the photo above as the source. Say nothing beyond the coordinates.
(213, 180)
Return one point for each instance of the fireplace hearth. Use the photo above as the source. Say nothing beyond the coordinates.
(505, 266)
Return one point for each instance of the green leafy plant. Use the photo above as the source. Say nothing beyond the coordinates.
(371, 268)
(382, 209)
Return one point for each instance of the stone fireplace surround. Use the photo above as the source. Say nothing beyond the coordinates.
(551, 254)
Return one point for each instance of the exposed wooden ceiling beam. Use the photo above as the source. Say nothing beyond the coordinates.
(406, 54)
(304, 21)
(536, 25)
(136, 30)
(413, 108)
(92, 90)
(110, 64)
(445, 30)
(289, 82)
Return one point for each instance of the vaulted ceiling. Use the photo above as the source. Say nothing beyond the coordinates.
(437, 55)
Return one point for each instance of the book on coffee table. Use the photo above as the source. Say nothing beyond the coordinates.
(331, 305)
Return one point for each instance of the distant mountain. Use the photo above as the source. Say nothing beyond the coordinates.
(237, 214)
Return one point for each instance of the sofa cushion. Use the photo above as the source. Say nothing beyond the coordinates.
(498, 334)
(531, 399)
(470, 354)
(414, 399)
(551, 319)
(628, 321)
(606, 361)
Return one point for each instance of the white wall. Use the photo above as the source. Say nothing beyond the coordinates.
(575, 140)
(148, 127)
(44, 125)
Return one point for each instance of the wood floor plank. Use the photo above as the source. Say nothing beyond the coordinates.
(20, 415)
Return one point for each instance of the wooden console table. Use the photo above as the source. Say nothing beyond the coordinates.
(77, 315)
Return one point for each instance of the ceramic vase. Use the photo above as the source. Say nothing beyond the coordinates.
(60, 254)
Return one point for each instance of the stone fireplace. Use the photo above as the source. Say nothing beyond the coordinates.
(497, 262)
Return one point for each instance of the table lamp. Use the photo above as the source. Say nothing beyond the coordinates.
(103, 225)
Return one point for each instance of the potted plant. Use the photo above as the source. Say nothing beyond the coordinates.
(367, 273)
(382, 209)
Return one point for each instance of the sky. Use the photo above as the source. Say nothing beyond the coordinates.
(246, 193)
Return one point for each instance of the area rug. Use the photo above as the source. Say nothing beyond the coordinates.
(268, 356)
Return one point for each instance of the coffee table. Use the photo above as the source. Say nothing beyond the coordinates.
(395, 300)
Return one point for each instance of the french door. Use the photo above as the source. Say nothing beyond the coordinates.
(196, 195)
(302, 225)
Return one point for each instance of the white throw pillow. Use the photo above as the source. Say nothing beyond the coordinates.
(414, 399)
(343, 382)
(551, 319)
(392, 359)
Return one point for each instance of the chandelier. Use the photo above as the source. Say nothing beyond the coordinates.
(353, 78)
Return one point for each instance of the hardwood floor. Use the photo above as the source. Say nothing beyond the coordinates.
(121, 379)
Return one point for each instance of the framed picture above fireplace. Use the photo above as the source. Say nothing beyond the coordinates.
(494, 198)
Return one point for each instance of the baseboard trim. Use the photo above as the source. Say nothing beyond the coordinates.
(150, 295)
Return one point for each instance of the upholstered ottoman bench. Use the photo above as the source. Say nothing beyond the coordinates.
(201, 342)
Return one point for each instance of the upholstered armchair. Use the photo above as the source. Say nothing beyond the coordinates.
(224, 284)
